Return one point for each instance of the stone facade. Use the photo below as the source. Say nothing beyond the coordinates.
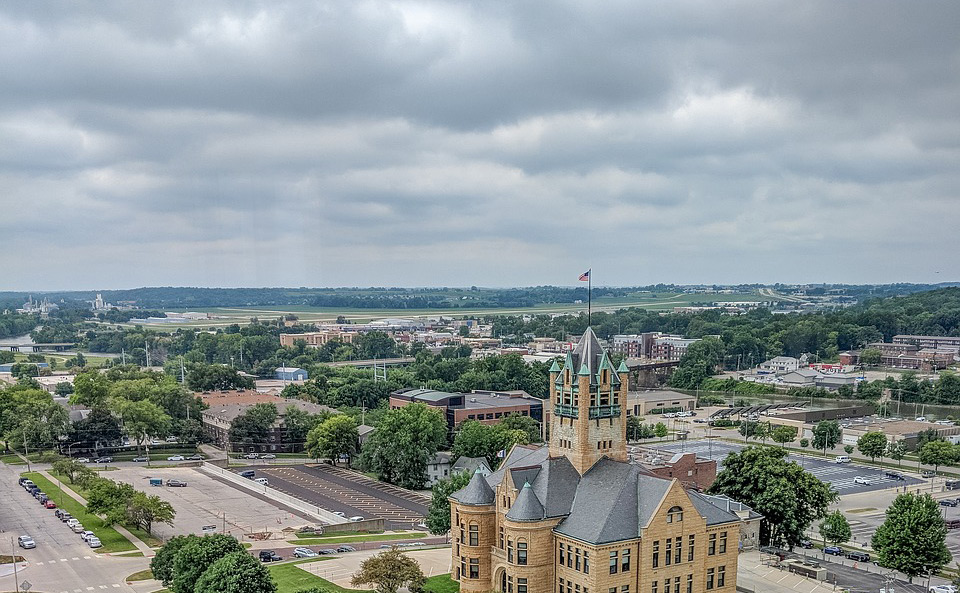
(577, 517)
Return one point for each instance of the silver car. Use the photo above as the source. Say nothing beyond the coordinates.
(26, 542)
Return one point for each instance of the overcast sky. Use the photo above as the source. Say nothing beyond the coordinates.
(488, 143)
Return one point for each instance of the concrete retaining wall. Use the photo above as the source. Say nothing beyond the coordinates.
(320, 514)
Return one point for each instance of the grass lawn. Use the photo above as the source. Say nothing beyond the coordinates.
(12, 459)
(441, 583)
(143, 575)
(110, 537)
(290, 579)
(334, 539)
(150, 540)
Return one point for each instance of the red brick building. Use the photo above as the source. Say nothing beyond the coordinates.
(488, 407)
(692, 471)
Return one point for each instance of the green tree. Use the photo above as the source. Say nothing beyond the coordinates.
(405, 440)
(90, 389)
(212, 377)
(388, 571)
(475, 439)
(109, 499)
(527, 424)
(63, 389)
(826, 435)
(848, 449)
(161, 565)
(438, 519)
(144, 510)
(873, 445)
(253, 426)
(897, 450)
(660, 430)
(912, 539)
(633, 427)
(870, 356)
(140, 419)
(788, 497)
(238, 572)
(804, 443)
(335, 436)
(835, 529)
(68, 467)
(783, 434)
(937, 453)
(196, 556)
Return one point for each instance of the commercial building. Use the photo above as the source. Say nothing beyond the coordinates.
(906, 355)
(641, 403)
(577, 516)
(225, 406)
(780, 364)
(693, 472)
(488, 407)
(929, 342)
(319, 338)
(290, 374)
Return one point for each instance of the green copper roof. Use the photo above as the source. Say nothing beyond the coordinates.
(623, 367)
(555, 368)
(584, 370)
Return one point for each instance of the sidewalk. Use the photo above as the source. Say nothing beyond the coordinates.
(147, 550)
(753, 575)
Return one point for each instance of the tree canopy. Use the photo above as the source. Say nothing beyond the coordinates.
(789, 498)
(404, 442)
(335, 436)
(438, 519)
(388, 571)
(912, 539)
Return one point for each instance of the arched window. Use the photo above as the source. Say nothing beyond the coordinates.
(675, 515)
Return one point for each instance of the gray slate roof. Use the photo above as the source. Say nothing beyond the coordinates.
(519, 456)
(713, 513)
(476, 493)
(527, 506)
(469, 464)
(556, 486)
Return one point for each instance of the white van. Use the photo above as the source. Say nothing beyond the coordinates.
(841, 459)
(263, 481)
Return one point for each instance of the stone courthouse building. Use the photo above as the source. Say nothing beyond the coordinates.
(577, 517)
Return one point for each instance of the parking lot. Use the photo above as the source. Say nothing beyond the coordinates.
(341, 490)
(207, 501)
(840, 476)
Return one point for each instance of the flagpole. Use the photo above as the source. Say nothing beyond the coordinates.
(589, 295)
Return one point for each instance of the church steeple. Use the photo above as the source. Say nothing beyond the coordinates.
(589, 406)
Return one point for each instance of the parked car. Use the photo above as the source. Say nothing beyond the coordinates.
(251, 456)
(77, 528)
(263, 481)
(339, 513)
(194, 457)
(806, 544)
(859, 556)
(943, 589)
(176, 458)
(326, 551)
(833, 550)
(841, 459)
(57, 513)
(862, 480)
(62, 515)
(22, 480)
(269, 556)
(94, 542)
(171, 439)
(928, 473)
(346, 549)
(43, 498)
(83, 460)
(85, 535)
(103, 460)
(305, 553)
(38, 493)
(50, 504)
(268, 456)
(248, 473)
(26, 542)
(893, 475)
(952, 523)
(356, 519)
(948, 502)
(176, 483)
(141, 459)
(952, 484)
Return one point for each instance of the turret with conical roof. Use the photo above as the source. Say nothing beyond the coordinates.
(589, 404)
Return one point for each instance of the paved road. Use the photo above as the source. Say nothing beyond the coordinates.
(61, 562)
(338, 489)
(856, 577)
(286, 551)
(839, 475)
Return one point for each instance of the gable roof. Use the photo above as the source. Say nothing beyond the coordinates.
(711, 512)
(469, 464)
(519, 456)
(556, 486)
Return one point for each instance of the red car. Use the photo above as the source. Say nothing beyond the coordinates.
(50, 504)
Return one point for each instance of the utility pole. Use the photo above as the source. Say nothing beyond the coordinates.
(146, 350)
(16, 579)
(26, 451)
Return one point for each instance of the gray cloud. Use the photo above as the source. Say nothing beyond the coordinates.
(494, 143)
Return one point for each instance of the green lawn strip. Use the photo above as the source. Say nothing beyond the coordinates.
(290, 579)
(12, 459)
(143, 575)
(150, 540)
(353, 538)
(110, 538)
(441, 583)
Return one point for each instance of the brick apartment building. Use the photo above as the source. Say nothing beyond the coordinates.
(652, 345)
(693, 472)
(575, 516)
(318, 339)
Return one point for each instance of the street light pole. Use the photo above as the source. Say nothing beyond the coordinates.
(16, 579)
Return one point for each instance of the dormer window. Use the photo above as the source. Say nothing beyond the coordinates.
(675, 515)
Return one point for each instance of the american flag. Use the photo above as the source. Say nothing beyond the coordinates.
(585, 276)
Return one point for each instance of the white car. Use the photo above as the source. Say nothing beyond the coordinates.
(83, 460)
(176, 458)
(263, 481)
(26, 542)
(841, 459)
(339, 513)
(87, 535)
(305, 553)
(943, 589)
(94, 542)
(77, 528)
(862, 480)
(356, 519)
